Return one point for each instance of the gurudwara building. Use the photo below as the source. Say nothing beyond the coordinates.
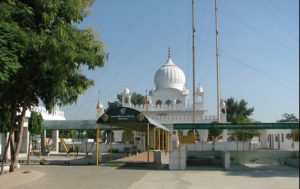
(168, 102)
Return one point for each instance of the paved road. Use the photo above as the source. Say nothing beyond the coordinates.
(110, 177)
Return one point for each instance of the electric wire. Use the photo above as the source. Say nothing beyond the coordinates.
(257, 32)
(280, 80)
(271, 2)
(263, 73)
(279, 21)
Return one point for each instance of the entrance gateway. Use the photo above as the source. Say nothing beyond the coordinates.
(134, 120)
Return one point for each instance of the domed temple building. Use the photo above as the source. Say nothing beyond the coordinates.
(169, 103)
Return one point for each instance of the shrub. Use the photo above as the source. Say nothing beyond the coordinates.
(115, 150)
(127, 149)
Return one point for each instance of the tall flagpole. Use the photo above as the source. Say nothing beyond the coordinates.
(217, 62)
(193, 56)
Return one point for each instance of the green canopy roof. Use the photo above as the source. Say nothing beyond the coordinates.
(72, 125)
(181, 126)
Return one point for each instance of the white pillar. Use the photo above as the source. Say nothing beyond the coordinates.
(226, 160)
(55, 140)
(204, 135)
(225, 135)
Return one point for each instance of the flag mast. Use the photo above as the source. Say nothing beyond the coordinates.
(193, 56)
(217, 62)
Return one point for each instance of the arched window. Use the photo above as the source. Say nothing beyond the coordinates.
(126, 100)
(178, 101)
(168, 102)
(158, 103)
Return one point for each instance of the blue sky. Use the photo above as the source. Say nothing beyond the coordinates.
(259, 51)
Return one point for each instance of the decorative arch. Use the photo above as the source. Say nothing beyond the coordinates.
(168, 102)
(178, 101)
(158, 103)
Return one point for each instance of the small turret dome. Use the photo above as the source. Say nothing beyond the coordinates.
(126, 91)
(223, 104)
(151, 92)
(199, 89)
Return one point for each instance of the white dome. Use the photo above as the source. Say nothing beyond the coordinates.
(199, 89)
(169, 76)
(223, 104)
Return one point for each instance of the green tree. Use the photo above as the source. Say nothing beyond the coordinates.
(243, 134)
(54, 53)
(214, 134)
(91, 134)
(136, 98)
(34, 127)
(238, 112)
(294, 135)
(288, 118)
(35, 123)
(236, 109)
(12, 41)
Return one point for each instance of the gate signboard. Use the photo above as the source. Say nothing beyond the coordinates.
(187, 139)
(123, 114)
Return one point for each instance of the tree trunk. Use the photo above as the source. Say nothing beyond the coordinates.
(12, 153)
(11, 135)
(43, 148)
(20, 134)
(5, 154)
(237, 148)
(250, 145)
(5, 143)
(28, 150)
